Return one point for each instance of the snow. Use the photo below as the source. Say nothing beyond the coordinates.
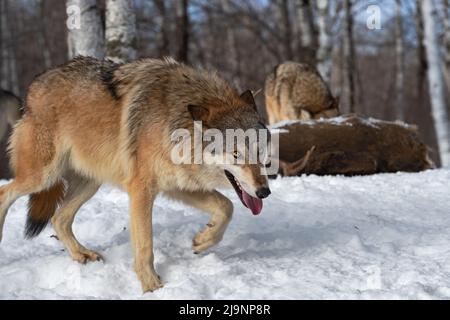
(376, 237)
(341, 120)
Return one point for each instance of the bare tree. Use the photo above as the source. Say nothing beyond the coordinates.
(85, 34)
(308, 43)
(182, 26)
(324, 51)
(164, 47)
(435, 82)
(42, 37)
(349, 57)
(399, 54)
(9, 66)
(120, 30)
(4, 46)
(233, 58)
(286, 28)
(421, 53)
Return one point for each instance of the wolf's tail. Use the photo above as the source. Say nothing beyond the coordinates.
(42, 207)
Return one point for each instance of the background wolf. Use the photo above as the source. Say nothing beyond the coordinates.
(296, 91)
(10, 111)
(92, 121)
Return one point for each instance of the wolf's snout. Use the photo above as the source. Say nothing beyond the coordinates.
(263, 193)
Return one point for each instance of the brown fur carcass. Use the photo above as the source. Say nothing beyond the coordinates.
(296, 91)
(350, 145)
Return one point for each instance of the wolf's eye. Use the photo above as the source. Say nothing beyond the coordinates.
(236, 154)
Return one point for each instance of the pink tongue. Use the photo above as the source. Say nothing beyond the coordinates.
(253, 204)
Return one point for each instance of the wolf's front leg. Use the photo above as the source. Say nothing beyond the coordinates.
(141, 203)
(221, 210)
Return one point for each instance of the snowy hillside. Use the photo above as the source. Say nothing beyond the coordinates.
(385, 236)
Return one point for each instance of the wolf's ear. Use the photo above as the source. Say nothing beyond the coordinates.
(198, 113)
(255, 93)
(248, 98)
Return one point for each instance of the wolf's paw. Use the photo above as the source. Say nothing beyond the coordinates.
(206, 239)
(150, 281)
(84, 255)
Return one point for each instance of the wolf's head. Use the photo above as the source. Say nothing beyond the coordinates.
(242, 150)
(331, 111)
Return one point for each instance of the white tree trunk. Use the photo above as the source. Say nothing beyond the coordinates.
(349, 58)
(399, 53)
(86, 35)
(324, 63)
(435, 82)
(446, 7)
(121, 38)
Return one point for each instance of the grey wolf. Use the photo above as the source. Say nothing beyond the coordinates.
(89, 122)
(296, 91)
(10, 111)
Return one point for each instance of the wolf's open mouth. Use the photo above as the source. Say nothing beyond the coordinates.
(254, 204)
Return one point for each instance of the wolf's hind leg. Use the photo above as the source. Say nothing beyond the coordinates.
(22, 185)
(17, 188)
(34, 160)
(79, 190)
(214, 203)
(8, 194)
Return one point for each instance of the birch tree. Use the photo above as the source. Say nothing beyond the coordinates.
(349, 57)
(399, 54)
(324, 63)
(435, 82)
(120, 33)
(446, 7)
(85, 30)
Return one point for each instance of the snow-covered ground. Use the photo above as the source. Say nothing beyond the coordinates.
(384, 236)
